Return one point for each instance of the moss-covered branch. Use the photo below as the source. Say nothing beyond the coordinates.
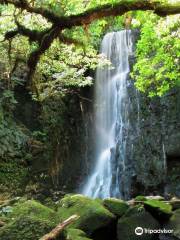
(97, 12)
(119, 9)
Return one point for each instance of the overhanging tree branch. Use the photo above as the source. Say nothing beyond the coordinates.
(119, 9)
(98, 12)
(46, 37)
(33, 35)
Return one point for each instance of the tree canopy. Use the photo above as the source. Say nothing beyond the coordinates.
(60, 40)
(59, 18)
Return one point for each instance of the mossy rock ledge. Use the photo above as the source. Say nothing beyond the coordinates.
(116, 206)
(136, 217)
(160, 210)
(93, 215)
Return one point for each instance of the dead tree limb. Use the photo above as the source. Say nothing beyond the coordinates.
(60, 227)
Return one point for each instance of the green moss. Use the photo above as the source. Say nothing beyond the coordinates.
(140, 198)
(116, 206)
(33, 209)
(93, 215)
(76, 234)
(49, 203)
(159, 209)
(13, 175)
(130, 221)
(26, 228)
(28, 220)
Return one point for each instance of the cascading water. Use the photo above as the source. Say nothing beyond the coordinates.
(111, 117)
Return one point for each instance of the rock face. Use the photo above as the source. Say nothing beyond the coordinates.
(162, 211)
(152, 140)
(152, 144)
(71, 156)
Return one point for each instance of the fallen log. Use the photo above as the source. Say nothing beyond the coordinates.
(59, 228)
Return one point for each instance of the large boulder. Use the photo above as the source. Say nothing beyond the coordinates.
(26, 228)
(174, 224)
(27, 220)
(134, 218)
(116, 206)
(28, 208)
(93, 215)
(160, 210)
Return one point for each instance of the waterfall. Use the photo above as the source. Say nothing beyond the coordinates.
(111, 117)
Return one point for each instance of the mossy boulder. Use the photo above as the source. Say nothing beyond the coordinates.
(76, 234)
(27, 220)
(26, 228)
(31, 208)
(160, 210)
(135, 217)
(116, 206)
(174, 223)
(93, 215)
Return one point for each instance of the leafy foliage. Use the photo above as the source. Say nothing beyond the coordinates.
(158, 56)
(12, 139)
(63, 66)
